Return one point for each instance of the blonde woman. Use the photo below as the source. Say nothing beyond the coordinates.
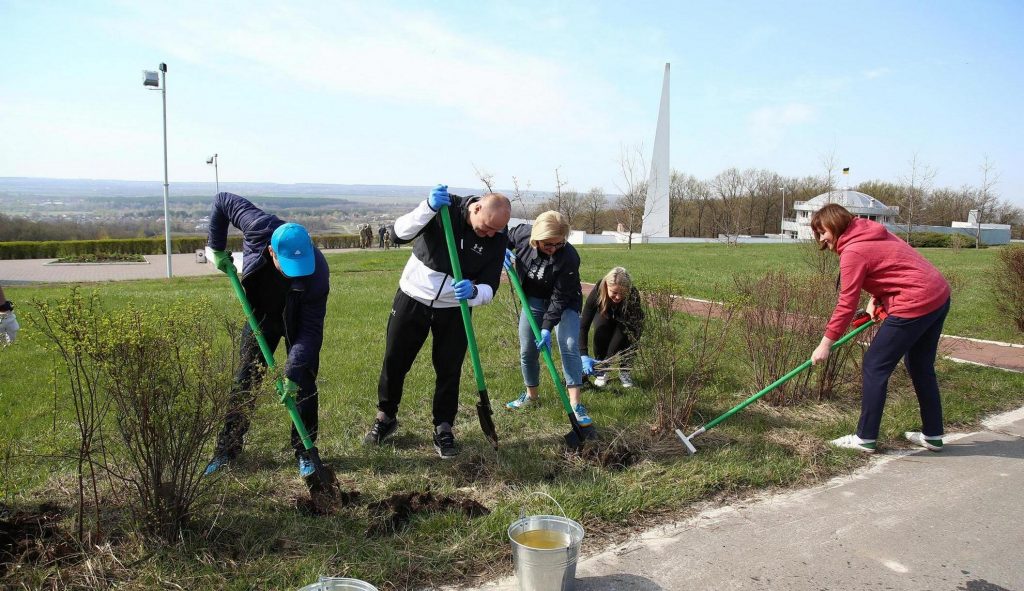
(613, 308)
(549, 271)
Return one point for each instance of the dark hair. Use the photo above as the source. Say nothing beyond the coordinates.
(833, 217)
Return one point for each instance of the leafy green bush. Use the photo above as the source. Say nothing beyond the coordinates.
(938, 240)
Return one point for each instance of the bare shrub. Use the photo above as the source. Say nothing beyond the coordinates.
(824, 263)
(678, 357)
(1009, 284)
(784, 321)
(164, 377)
(71, 328)
(169, 384)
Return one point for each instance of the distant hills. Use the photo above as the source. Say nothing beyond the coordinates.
(27, 187)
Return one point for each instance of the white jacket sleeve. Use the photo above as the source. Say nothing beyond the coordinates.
(410, 224)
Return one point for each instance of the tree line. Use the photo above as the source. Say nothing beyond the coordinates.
(754, 201)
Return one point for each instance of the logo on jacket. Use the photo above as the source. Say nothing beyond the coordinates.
(477, 248)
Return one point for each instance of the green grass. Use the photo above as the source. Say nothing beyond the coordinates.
(250, 535)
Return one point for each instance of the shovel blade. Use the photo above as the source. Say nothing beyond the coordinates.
(575, 439)
(486, 416)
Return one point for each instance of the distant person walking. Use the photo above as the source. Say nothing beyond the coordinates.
(427, 302)
(381, 231)
(915, 296)
(613, 308)
(9, 326)
(548, 268)
(286, 281)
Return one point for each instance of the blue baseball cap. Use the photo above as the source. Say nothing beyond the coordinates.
(294, 249)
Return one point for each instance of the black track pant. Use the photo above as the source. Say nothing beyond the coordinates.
(408, 326)
(243, 398)
(610, 338)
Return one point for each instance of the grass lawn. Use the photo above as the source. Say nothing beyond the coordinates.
(249, 534)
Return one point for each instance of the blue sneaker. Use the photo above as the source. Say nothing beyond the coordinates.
(523, 400)
(581, 415)
(215, 464)
(306, 467)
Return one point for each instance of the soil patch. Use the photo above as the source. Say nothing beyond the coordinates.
(325, 498)
(393, 514)
(32, 535)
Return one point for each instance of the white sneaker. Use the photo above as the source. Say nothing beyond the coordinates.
(601, 381)
(626, 379)
(853, 442)
(929, 443)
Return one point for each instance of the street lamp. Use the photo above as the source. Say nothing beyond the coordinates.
(216, 175)
(782, 221)
(150, 79)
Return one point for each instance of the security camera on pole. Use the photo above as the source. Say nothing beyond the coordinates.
(151, 79)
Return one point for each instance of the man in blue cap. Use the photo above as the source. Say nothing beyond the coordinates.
(286, 281)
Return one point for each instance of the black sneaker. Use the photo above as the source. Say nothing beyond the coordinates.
(444, 443)
(380, 431)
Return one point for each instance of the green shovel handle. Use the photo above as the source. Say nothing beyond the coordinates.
(467, 318)
(286, 398)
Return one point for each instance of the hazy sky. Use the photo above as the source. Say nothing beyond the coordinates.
(421, 92)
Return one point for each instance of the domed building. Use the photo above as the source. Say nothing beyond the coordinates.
(859, 204)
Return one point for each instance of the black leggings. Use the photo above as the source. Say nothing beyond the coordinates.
(610, 338)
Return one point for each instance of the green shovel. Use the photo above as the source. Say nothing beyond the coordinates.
(579, 434)
(287, 398)
(483, 407)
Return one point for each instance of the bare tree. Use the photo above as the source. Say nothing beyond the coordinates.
(630, 207)
(828, 162)
(729, 186)
(987, 196)
(592, 205)
(487, 178)
(917, 184)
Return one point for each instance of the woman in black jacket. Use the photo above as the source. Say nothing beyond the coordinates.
(613, 308)
(549, 271)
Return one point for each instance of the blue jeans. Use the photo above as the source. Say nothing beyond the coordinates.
(566, 333)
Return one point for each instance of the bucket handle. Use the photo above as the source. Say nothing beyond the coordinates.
(522, 510)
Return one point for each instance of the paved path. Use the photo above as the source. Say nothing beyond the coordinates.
(920, 520)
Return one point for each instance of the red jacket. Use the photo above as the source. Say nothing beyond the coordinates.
(875, 260)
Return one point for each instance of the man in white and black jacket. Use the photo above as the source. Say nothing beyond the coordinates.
(428, 301)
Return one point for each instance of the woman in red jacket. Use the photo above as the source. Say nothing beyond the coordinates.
(916, 297)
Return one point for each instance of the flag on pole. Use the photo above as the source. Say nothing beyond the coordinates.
(846, 170)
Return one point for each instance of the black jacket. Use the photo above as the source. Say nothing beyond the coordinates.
(559, 284)
(629, 314)
(306, 300)
(427, 276)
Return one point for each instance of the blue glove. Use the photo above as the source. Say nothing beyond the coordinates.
(464, 290)
(588, 365)
(545, 339)
(510, 257)
(438, 197)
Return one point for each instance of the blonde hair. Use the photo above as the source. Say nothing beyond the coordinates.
(618, 277)
(550, 224)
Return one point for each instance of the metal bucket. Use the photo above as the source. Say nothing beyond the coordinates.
(539, 569)
(339, 584)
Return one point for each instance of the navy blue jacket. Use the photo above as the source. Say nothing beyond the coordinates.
(306, 301)
(561, 287)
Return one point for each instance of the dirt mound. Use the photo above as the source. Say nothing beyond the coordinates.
(393, 514)
(32, 535)
(325, 498)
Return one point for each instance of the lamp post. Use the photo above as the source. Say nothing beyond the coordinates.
(782, 220)
(216, 175)
(150, 79)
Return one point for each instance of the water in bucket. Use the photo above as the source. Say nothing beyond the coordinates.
(543, 539)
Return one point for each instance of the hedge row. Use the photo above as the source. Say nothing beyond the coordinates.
(52, 249)
(938, 240)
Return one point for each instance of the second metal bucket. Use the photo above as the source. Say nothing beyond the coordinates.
(339, 584)
(539, 569)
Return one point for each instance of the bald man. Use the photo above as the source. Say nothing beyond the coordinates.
(428, 299)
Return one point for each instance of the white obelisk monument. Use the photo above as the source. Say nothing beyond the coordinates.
(656, 206)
